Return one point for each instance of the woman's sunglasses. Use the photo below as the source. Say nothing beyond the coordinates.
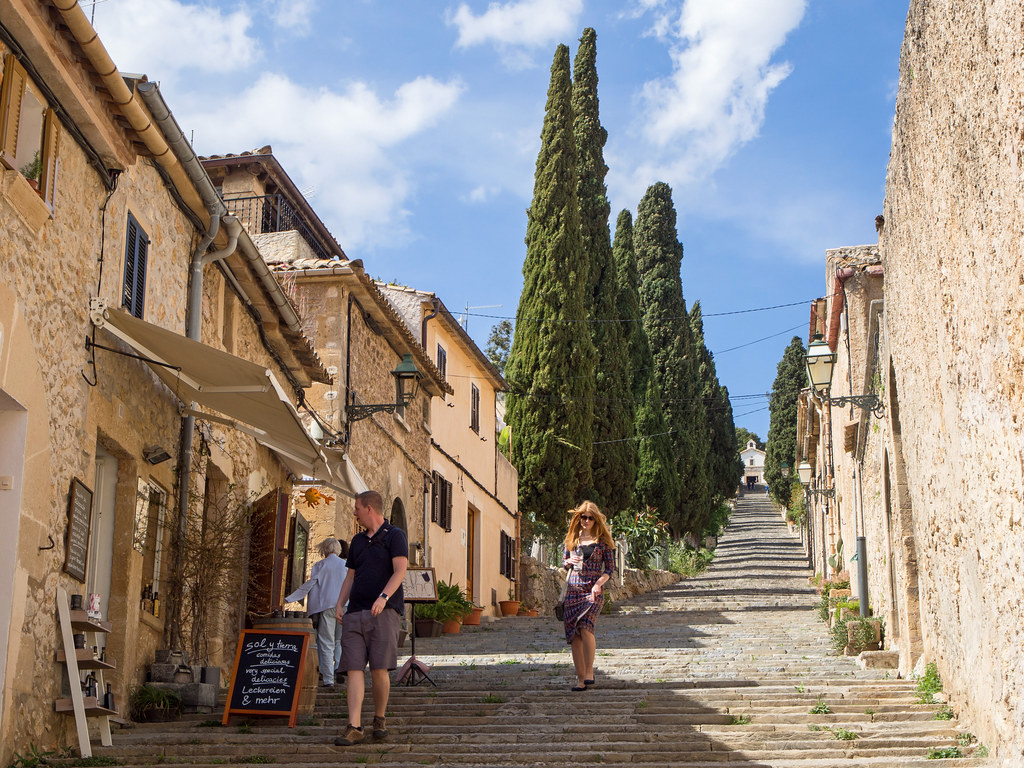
(587, 517)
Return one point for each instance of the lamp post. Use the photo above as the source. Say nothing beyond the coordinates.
(804, 472)
(820, 361)
(407, 381)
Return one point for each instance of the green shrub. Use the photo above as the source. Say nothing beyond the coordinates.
(929, 684)
(684, 560)
(942, 753)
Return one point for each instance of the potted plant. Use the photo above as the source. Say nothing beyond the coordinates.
(426, 624)
(472, 619)
(452, 605)
(150, 703)
(33, 171)
(509, 607)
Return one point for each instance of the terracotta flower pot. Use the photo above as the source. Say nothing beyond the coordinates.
(508, 607)
(451, 627)
(472, 619)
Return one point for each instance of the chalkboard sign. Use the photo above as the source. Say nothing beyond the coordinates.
(268, 674)
(76, 539)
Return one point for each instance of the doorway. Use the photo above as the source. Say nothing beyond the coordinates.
(13, 428)
(101, 531)
(472, 521)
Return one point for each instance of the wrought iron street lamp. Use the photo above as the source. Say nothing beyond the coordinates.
(407, 381)
(821, 361)
(804, 470)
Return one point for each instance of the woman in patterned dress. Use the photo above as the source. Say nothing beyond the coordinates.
(590, 553)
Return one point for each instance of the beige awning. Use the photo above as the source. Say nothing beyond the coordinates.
(244, 395)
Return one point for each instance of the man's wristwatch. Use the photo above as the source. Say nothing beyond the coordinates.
(385, 596)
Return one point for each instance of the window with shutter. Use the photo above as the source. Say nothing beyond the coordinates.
(507, 548)
(442, 361)
(448, 506)
(29, 130)
(136, 248)
(474, 408)
(435, 490)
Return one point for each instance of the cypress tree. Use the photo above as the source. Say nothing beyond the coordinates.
(659, 258)
(613, 464)
(550, 367)
(781, 446)
(723, 458)
(657, 483)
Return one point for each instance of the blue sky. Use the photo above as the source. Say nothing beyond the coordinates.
(413, 127)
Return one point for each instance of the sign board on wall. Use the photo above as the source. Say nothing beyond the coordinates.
(76, 538)
(267, 675)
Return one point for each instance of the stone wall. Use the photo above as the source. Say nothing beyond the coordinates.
(542, 584)
(954, 214)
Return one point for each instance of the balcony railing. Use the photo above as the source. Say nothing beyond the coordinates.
(273, 213)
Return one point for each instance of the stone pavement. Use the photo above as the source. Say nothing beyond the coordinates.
(718, 670)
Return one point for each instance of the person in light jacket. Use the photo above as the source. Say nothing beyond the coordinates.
(323, 588)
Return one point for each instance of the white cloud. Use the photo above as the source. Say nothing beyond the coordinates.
(345, 144)
(481, 194)
(292, 15)
(722, 75)
(517, 25)
(164, 37)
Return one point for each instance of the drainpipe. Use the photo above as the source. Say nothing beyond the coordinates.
(436, 302)
(186, 159)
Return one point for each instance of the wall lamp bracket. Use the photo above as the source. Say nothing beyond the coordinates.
(864, 402)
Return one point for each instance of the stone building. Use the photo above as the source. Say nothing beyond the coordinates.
(473, 536)
(936, 486)
(753, 464)
(127, 298)
(361, 339)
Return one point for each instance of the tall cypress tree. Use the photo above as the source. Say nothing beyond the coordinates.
(723, 459)
(613, 464)
(781, 446)
(550, 367)
(657, 482)
(659, 258)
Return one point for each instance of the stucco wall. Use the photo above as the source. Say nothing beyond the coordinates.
(954, 214)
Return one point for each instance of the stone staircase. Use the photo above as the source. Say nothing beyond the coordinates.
(719, 670)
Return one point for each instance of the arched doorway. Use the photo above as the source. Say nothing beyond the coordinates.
(398, 514)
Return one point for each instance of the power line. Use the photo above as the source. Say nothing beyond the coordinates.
(640, 319)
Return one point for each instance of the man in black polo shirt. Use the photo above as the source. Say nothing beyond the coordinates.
(377, 559)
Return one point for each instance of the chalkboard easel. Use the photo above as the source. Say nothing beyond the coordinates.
(267, 676)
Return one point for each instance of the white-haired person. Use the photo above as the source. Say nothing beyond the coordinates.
(323, 588)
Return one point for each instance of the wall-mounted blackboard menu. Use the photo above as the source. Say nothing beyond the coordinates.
(76, 548)
(268, 674)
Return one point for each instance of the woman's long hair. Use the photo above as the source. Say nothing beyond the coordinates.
(601, 532)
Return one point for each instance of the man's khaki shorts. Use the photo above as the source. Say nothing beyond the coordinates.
(368, 638)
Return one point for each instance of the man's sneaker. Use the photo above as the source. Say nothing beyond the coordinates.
(352, 736)
(379, 731)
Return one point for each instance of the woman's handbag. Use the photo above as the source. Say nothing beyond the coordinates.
(560, 605)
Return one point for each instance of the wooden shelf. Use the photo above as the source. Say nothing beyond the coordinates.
(80, 622)
(86, 660)
(92, 706)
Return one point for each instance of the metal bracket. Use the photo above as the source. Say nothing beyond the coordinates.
(864, 402)
(358, 412)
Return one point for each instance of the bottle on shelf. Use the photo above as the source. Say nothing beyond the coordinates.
(156, 604)
(108, 699)
(90, 685)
